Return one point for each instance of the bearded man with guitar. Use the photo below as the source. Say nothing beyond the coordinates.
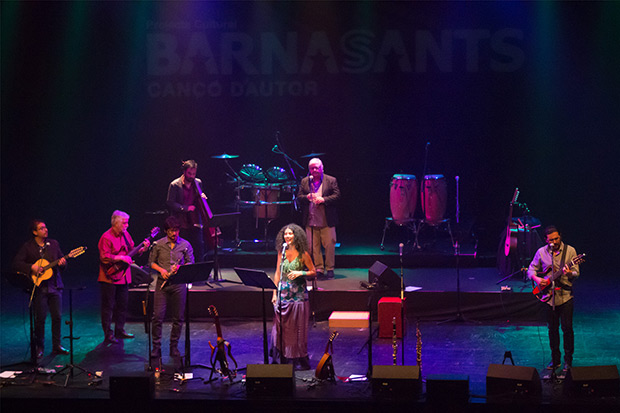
(559, 264)
(116, 248)
(48, 292)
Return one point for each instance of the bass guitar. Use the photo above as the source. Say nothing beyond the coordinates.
(543, 291)
(325, 368)
(116, 270)
(47, 268)
(221, 352)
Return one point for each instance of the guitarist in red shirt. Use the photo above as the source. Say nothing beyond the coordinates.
(560, 266)
(115, 276)
(48, 294)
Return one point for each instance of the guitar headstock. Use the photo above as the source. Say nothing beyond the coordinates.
(333, 336)
(579, 259)
(154, 232)
(77, 252)
(213, 311)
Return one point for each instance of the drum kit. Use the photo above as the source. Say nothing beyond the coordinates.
(265, 190)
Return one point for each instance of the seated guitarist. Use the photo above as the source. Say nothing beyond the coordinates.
(554, 257)
(48, 295)
(114, 247)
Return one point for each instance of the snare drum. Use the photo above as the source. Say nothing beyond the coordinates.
(252, 173)
(403, 197)
(434, 198)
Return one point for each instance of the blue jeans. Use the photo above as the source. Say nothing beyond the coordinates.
(173, 296)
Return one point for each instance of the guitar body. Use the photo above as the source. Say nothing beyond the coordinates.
(116, 270)
(325, 368)
(543, 291)
(48, 268)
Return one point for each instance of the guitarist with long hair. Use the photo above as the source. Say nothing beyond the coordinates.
(558, 263)
(48, 294)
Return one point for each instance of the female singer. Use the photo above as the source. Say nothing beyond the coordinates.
(291, 299)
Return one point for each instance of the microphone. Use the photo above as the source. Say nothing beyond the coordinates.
(284, 247)
(400, 249)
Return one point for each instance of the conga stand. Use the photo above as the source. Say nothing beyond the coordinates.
(71, 366)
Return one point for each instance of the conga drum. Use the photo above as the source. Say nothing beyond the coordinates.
(266, 193)
(403, 197)
(434, 198)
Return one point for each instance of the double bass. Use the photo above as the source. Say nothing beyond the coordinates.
(209, 233)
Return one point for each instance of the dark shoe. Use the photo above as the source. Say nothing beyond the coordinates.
(110, 340)
(320, 275)
(124, 334)
(304, 364)
(330, 275)
(174, 352)
(60, 350)
(567, 367)
(553, 366)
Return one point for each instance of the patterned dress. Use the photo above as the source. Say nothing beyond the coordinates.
(295, 313)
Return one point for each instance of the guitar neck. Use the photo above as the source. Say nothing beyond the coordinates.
(54, 263)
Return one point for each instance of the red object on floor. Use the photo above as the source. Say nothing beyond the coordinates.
(390, 308)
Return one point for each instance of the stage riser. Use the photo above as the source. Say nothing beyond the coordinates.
(423, 305)
(268, 260)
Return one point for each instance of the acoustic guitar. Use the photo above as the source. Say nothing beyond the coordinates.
(115, 270)
(221, 352)
(511, 229)
(325, 368)
(543, 291)
(48, 267)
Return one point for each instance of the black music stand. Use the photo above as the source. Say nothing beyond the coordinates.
(186, 274)
(24, 282)
(257, 278)
(217, 221)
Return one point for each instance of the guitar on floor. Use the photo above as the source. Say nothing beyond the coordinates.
(325, 368)
(543, 291)
(115, 271)
(221, 352)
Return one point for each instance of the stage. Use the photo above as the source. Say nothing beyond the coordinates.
(499, 318)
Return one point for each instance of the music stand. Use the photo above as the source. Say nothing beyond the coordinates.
(24, 282)
(186, 274)
(221, 220)
(257, 278)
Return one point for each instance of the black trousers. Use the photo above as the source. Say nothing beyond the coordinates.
(561, 316)
(171, 297)
(114, 301)
(44, 302)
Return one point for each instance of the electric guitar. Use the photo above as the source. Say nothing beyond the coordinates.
(47, 268)
(543, 291)
(221, 351)
(115, 270)
(325, 368)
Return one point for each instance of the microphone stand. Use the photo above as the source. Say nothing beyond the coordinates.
(281, 337)
(402, 304)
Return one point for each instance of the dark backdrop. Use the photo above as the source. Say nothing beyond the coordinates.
(102, 100)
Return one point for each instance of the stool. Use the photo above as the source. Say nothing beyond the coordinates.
(353, 319)
(390, 308)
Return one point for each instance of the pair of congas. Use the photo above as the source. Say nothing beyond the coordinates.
(404, 198)
(265, 188)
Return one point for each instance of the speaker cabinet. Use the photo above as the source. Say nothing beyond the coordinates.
(269, 380)
(132, 388)
(595, 381)
(447, 388)
(384, 277)
(508, 380)
(396, 382)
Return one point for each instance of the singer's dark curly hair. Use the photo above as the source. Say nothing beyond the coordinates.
(300, 241)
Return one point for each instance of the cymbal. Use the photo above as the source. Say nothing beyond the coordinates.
(313, 155)
(224, 156)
